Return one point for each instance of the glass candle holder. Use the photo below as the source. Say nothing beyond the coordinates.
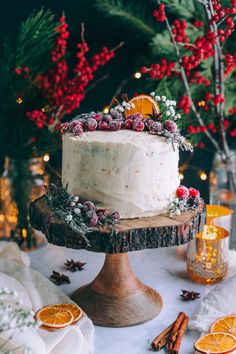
(207, 255)
(220, 216)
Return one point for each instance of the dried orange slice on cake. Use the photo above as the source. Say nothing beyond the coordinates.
(54, 317)
(74, 309)
(226, 324)
(143, 104)
(216, 343)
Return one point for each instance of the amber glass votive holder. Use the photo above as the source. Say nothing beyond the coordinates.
(219, 215)
(208, 255)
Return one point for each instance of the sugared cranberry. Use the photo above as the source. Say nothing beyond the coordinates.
(102, 212)
(128, 123)
(155, 127)
(107, 118)
(91, 124)
(93, 219)
(114, 125)
(170, 126)
(102, 125)
(193, 192)
(90, 205)
(76, 127)
(135, 116)
(115, 114)
(182, 192)
(116, 215)
(98, 117)
(77, 130)
(64, 127)
(138, 125)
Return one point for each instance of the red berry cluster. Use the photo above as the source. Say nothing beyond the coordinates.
(199, 79)
(61, 41)
(197, 129)
(38, 117)
(89, 213)
(212, 127)
(198, 23)
(223, 13)
(202, 48)
(22, 71)
(63, 91)
(218, 99)
(179, 31)
(230, 63)
(159, 71)
(102, 58)
(207, 96)
(184, 103)
(184, 192)
(159, 14)
(201, 145)
(233, 133)
(232, 110)
(193, 53)
(226, 124)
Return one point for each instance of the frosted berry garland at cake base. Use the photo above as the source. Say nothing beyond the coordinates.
(126, 160)
(81, 216)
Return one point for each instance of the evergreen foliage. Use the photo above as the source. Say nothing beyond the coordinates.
(32, 48)
(162, 47)
(132, 13)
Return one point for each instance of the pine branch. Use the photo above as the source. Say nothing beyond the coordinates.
(131, 13)
(35, 39)
(162, 46)
(185, 8)
(32, 49)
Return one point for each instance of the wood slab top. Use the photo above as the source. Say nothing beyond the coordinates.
(130, 234)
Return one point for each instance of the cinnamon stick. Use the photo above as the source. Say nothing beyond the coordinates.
(172, 335)
(174, 332)
(181, 331)
(161, 340)
(176, 326)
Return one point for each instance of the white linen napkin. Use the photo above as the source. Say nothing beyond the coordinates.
(36, 291)
(219, 302)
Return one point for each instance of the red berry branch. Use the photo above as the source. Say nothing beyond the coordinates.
(208, 114)
(64, 88)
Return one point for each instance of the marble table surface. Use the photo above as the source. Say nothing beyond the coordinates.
(162, 269)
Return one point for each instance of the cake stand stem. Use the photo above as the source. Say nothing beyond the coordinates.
(116, 298)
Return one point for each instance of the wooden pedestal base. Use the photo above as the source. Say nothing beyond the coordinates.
(116, 298)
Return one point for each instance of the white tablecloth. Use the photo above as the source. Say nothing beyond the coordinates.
(35, 291)
(159, 268)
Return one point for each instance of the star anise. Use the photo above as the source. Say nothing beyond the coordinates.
(59, 279)
(74, 266)
(189, 295)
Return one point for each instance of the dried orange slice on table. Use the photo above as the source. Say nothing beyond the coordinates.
(74, 309)
(226, 324)
(54, 317)
(143, 104)
(216, 343)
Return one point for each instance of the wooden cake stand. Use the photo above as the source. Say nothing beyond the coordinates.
(117, 298)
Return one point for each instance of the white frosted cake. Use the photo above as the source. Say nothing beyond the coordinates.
(135, 173)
